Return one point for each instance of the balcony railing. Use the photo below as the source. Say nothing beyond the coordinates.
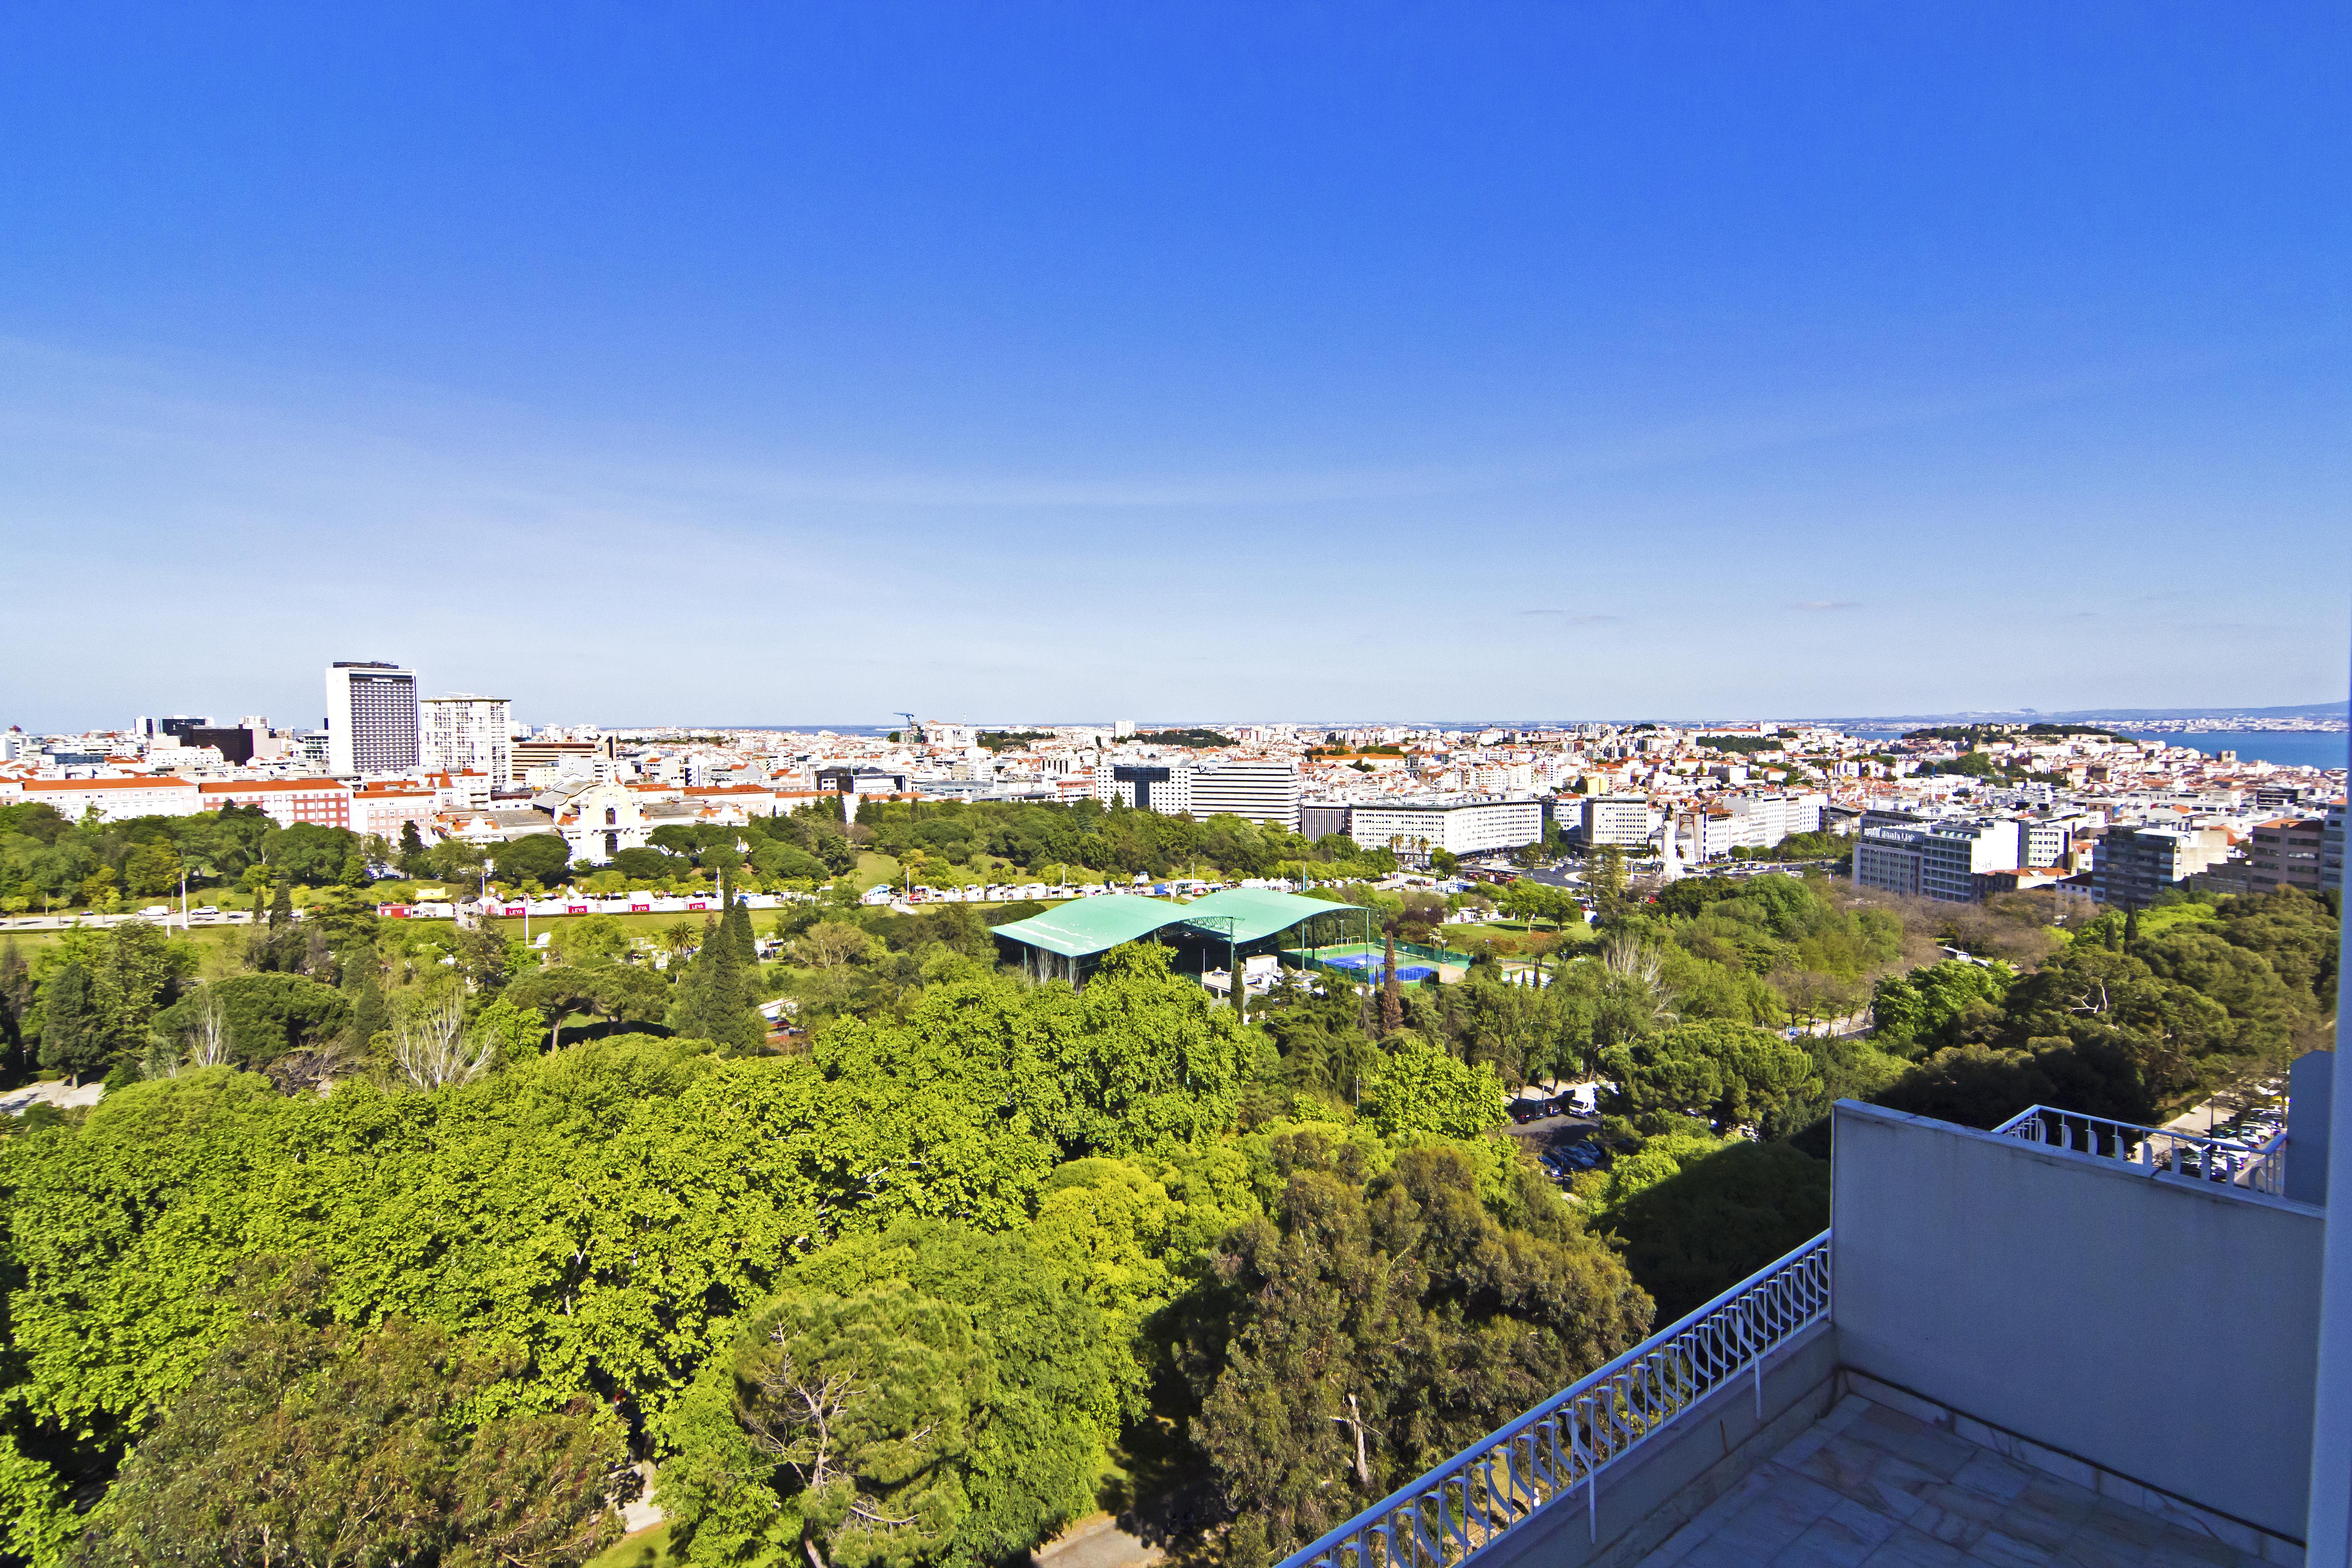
(1568, 1442)
(2154, 1149)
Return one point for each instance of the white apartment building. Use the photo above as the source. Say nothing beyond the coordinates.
(1759, 822)
(1458, 827)
(2050, 842)
(1261, 792)
(1955, 851)
(115, 800)
(1258, 791)
(464, 732)
(370, 718)
(1625, 820)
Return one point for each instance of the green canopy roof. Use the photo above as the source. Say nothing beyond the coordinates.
(1259, 912)
(1084, 927)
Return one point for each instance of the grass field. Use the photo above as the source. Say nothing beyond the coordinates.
(646, 1549)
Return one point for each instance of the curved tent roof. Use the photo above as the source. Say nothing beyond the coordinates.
(1259, 912)
(1084, 927)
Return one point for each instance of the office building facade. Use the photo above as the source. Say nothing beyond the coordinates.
(2132, 864)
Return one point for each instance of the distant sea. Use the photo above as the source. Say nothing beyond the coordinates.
(2281, 748)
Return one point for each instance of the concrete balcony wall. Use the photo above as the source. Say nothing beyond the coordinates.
(2157, 1326)
(1654, 1490)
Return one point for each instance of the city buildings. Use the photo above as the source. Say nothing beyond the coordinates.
(1257, 790)
(1892, 857)
(2132, 864)
(112, 799)
(326, 802)
(1413, 828)
(370, 718)
(2286, 852)
(1954, 853)
(466, 733)
(1627, 821)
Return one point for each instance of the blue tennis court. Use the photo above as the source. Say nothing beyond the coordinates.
(1369, 965)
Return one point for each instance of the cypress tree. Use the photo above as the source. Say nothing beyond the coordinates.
(16, 1009)
(71, 1038)
(1391, 993)
(735, 929)
(371, 1015)
(715, 996)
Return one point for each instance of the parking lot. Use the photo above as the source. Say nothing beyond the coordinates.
(1564, 1140)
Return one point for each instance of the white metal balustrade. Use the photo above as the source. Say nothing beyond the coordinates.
(1565, 1444)
(2154, 1149)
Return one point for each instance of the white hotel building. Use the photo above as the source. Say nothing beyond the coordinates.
(1466, 827)
(1258, 791)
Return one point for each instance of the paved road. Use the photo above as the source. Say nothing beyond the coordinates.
(1097, 1542)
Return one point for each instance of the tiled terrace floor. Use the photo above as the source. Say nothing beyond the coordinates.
(1866, 1485)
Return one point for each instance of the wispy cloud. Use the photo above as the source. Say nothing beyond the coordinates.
(1594, 620)
(1818, 605)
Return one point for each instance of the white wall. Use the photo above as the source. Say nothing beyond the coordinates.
(2160, 1327)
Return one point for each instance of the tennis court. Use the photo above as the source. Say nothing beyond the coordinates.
(1368, 960)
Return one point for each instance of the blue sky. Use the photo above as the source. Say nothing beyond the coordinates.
(776, 365)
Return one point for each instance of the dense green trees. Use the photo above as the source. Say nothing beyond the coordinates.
(934, 1395)
(2224, 993)
(307, 1440)
(1011, 1242)
(1373, 1324)
(47, 862)
(1017, 1191)
(536, 859)
(1086, 833)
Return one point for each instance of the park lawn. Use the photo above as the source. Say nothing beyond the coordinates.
(645, 1549)
(874, 867)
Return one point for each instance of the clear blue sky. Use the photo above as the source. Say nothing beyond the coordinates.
(766, 363)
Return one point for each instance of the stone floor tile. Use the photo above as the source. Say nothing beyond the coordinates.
(1844, 1464)
(1906, 1548)
(1917, 1442)
(1827, 1542)
(1799, 1498)
(2177, 1548)
(1867, 1522)
(1995, 1477)
(2085, 1549)
(1999, 1549)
